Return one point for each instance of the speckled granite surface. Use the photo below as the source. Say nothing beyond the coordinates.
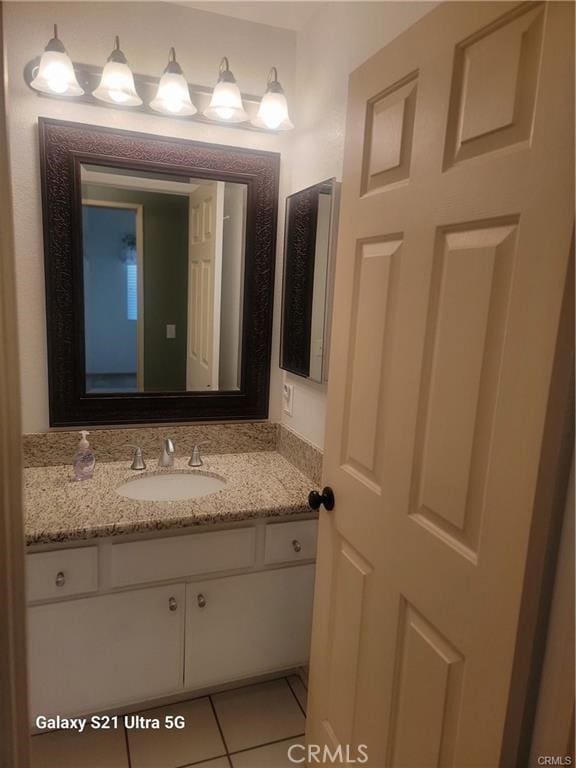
(57, 508)
(46, 449)
(301, 453)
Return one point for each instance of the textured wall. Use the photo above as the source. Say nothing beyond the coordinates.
(146, 30)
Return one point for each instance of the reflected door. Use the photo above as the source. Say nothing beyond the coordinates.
(457, 213)
(205, 286)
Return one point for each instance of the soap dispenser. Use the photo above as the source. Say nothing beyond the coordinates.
(84, 459)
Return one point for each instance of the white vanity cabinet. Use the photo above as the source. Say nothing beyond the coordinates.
(99, 652)
(120, 622)
(247, 625)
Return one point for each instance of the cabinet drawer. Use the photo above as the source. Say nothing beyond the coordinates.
(61, 573)
(287, 542)
(175, 557)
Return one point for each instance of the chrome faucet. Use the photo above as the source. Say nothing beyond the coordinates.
(167, 456)
(196, 458)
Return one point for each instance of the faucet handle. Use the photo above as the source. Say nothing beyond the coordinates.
(169, 445)
(196, 458)
(137, 460)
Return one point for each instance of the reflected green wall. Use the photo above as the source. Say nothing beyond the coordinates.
(165, 281)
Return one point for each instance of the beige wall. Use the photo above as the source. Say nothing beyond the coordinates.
(330, 47)
(146, 31)
(313, 64)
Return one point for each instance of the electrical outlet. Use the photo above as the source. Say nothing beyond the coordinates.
(170, 331)
(288, 393)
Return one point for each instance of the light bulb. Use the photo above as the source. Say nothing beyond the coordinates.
(226, 102)
(56, 72)
(173, 95)
(117, 81)
(273, 109)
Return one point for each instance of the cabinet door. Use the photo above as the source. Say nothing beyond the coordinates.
(100, 652)
(245, 625)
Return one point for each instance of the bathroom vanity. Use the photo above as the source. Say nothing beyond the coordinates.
(132, 601)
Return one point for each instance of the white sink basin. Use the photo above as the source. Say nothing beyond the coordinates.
(171, 486)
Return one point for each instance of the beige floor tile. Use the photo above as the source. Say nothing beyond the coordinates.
(70, 749)
(257, 714)
(164, 748)
(271, 756)
(298, 687)
(220, 762)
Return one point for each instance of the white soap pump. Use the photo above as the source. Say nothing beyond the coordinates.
(84, 459)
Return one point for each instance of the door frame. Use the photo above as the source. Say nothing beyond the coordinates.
(14, 735)
(552, 492)
(139, 209)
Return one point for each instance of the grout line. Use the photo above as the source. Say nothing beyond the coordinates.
(293, 692)
(250, 685)
(219, 726)
(127, 744)
(229, 761)
(202, 762)
(267, 744)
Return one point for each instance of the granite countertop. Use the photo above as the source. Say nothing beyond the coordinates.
(58, 508)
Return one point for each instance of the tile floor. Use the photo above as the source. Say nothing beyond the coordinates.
(248, 727)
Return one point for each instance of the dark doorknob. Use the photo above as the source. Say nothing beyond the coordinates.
(315, 499)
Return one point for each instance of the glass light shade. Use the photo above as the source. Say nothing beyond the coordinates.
(117, 85)
(173, 96)
(226, 102)
(273, 113)
(56, 75)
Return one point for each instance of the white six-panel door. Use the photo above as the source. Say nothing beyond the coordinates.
(455, 228)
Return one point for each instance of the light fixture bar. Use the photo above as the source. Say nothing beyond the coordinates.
(89, 77)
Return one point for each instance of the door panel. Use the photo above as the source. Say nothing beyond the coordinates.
(103, 652)
(457, 213)
(242, 626)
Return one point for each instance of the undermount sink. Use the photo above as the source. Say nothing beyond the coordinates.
(171, 486)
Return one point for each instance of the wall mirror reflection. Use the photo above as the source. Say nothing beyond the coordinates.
(159, 262)
(163, 266)
(311, 228)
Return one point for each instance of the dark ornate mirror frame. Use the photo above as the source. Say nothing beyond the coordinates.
(64, 147)
(298, 278)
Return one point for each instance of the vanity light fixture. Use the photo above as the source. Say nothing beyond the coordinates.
(273, 110)
(173, 95)
(226, 102)
(117, 82)
(56, 72)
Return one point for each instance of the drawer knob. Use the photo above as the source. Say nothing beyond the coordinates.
(60, 579)
(296, 546)
(173, 604)
(201, 601)
(316, 499)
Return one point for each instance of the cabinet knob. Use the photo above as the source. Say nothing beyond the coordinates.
(60, 579)
(173, 604)
(316, 499)
(201, 601)
(296, 546)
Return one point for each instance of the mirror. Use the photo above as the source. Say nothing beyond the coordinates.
(163, 266)
(311, 228)
(159, 262)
